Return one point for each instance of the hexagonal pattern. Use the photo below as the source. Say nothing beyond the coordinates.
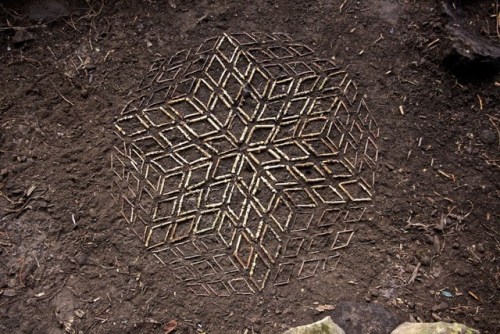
(245, 162)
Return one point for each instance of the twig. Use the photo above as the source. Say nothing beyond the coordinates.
(448, 176)
(433, 43)
(414, 275)
(342, 6)
(62, 96)
(480, 102)
(460, 218)
(378, 39)
(473, 295)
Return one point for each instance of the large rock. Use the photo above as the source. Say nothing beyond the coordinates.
(362, 318)
(325, 326)
(433, 328)
(465, 52)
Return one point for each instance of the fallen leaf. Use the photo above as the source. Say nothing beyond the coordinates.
(170, 326)
(323, 308)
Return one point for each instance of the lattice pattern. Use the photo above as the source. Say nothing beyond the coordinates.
(244, 163)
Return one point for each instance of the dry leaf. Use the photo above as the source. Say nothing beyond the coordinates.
(170, 327)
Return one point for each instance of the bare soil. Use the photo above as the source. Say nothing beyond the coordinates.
(69, 263)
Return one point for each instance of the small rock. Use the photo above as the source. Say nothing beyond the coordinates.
(9, 293)
(480, 248)
(21, 36)
(410, 268)
(440, 307)
(425, 260)
(374, 293)
(4, 172)
(487, 136)
(17, 192)
(436, 244)
(447, 294)
(436, 271)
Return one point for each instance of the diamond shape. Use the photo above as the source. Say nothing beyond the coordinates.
(202, 127)
(244, 157)
(182, 228)
(244, 251)
(216, 70)
(282, 214)
(191, 154)
(309, 172)
(270, 242)
(217, 193)
(227, 48)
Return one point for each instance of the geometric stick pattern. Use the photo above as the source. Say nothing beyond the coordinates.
(244, 163)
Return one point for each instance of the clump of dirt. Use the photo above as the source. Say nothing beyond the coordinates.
(70, 263)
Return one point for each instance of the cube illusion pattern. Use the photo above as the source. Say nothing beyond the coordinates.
(245, 162)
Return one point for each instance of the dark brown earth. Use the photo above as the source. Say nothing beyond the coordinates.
(69, 263)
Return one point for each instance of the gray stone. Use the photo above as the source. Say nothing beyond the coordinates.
(9, 293)
(324, 326)
(488, 136)
(362, 318)
(22, 36)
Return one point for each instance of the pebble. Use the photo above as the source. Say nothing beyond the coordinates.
(410, 268)
(480, 248)
(487, 136)
(425, 260)
(436, 245)
(84, 93)
(22, 36)
(440, 307)
(428, 239)
(9, 293)
(4, 172)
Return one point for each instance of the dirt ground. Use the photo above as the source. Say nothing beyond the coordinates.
(69, 263)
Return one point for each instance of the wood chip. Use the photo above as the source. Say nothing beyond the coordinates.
(170, 327)
(323, 308)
